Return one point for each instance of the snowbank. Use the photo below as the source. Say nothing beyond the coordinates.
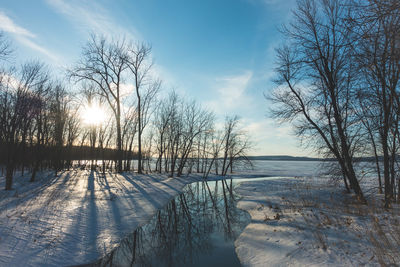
(310, 222)
(78, 216)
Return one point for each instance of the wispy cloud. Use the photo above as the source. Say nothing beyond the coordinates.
(8, 25)
(277, 139)
(23, 36)
(89, 16)
(231, 93)
(92, 17)
(234, 95)
(31, 44)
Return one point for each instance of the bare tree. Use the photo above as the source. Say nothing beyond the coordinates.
(73, 130)
(229, 139)
(128, 135)
(376, 25)
(19, 105)
(5, 47)
(139, 65)
(59, 112)
(370, 115)
(236, 146)
(316, 82)
(103, 63)
(195, 121)
(89, 95)
(163, 115)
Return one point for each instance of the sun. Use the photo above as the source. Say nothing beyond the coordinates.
(93, 115)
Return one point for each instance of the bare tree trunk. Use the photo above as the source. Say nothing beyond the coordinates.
(119, 141)
(9, 175)
(139, 132)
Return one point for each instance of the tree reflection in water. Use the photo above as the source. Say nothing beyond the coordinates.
(197, 228)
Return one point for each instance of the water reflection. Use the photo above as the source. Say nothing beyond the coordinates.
(197, 228)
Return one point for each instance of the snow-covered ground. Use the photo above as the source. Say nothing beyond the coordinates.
(312, 222)
(78, 216)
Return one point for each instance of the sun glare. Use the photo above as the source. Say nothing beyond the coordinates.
(93, 115)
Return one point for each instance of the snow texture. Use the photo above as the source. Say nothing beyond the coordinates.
(312, 222)
(78, 216)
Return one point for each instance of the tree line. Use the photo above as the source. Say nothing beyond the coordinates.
(43, 124)
(337, 82)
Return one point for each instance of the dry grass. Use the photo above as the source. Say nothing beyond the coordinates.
(378, 229)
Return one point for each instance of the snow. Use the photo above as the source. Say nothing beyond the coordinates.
(312, 222)
(78, 216)
(264, 168)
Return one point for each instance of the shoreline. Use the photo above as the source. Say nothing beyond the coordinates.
(311, 222)
(77, 218)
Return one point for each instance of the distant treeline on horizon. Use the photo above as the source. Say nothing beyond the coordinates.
(293, 158)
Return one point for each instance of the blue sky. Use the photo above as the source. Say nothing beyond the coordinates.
(219, 52)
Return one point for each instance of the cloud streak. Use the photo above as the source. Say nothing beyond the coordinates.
(231, 93)
(88, 16)
(267, 135)
(23, 36)
(91, 17)
(8, 25)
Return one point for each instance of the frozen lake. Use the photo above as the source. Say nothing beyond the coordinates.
(264, 168)
(268, 168)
